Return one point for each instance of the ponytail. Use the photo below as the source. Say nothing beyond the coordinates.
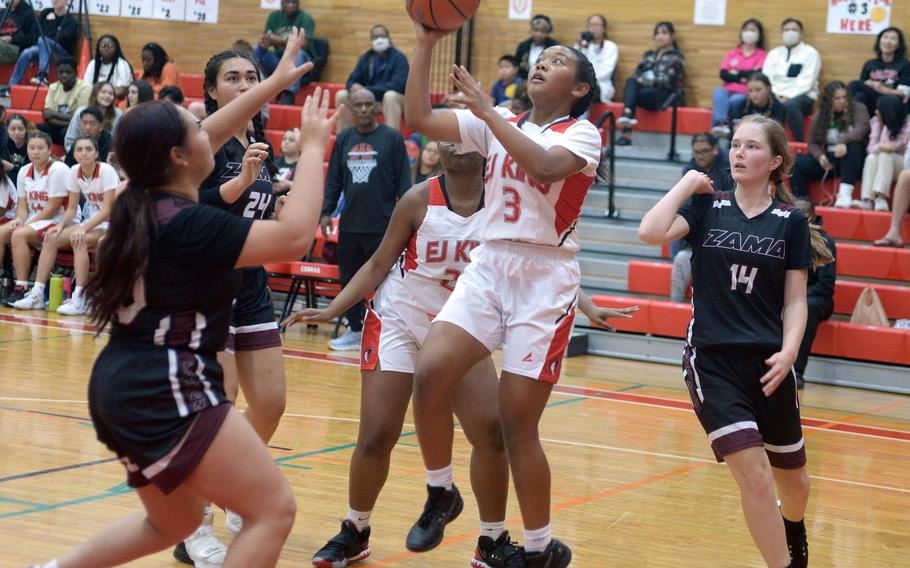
(131, 233)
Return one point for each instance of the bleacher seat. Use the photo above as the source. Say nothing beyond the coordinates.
(859, 225)
(192, 85)
(27, 97)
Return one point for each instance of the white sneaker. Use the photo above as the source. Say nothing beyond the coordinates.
(31, 301)
(350, 341)
(203, 547)
(626, 121)
(844, 201)
(864, 204)
(73, 307)
(881, 204)
(721, 131)
(233, 521)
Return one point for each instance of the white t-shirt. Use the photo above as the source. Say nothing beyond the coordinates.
(104, 179)
(9, 199)
(519, 208)
(40, 188)
(122, 76)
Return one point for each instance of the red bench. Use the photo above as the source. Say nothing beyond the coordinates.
(27, 97)
(859, 225)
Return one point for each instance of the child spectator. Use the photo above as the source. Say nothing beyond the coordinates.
(793, 69)
(14, 154)
(887, 74)
(103, 99)
(760, 100)
(527, 52)
(157, 68)
(110, 65)
(42, 197)
(658, 75)
(504, 87)
(64, 96)
(287, 163)
(738, 65)
(428, 164)
(602, 53)
(837, 142)
(885, 159)
(81, 228)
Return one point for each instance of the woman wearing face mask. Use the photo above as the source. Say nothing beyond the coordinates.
(887, 74)
(793, 69)
(102, 98)
(837, 143)
(758, 101)
(530, 49)
(738, 65)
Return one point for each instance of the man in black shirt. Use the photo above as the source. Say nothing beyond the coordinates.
(369, 165)
(17, 31)
(819, 295)
(90, 125)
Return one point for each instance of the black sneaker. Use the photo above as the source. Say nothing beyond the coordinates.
(499, 553)
(17, 294)
(623, 141)
(181, 555)
(442, 507)
(799, 551)
(556, 555)
(347, 547)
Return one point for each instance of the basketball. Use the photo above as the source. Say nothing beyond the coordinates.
(441, 14)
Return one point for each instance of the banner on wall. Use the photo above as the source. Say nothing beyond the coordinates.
(518, 9)
(202, 11)
(104, 7)
(270, 4)
(864, 17)
(710, 13)
(172, 10)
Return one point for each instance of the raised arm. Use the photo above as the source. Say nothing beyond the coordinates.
(662, 223)
(436, 124)
(408, 215)
(222, 125)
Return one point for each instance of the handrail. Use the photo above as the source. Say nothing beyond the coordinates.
(611, 156)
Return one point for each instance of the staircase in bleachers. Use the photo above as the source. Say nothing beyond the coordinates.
(618, 269)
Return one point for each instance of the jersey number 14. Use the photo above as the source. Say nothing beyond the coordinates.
(742, 274)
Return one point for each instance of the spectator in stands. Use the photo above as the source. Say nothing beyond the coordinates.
(60, 32)
(369, 166)
(793, 69)
(657, 77)
(837, 142)
(737, 67)
(15, 152)
(287, 163)
(527, 52)
(602, 53)
(887, 74)
(708, 159)
(197, 109)
(90, 126)
(17, 31)
(139, 91)
(63, 97)
(900, 205)
(890, 131)
(428, 164)
(173, 94)
(383, 70)
(760, 100)
(103, 99)
(110, 65)
(819, 294)
(158, 69)
(275, 36)
(508, 81)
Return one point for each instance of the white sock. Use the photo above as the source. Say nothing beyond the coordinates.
(492, 530)
(21, 283)
(538, 539)
(442, 477)
(51, 564)
(77, 291)
(361, 519)
(38, 288)
(846, 189)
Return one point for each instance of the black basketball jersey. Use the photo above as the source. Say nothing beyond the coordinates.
(256, 202)
(183, 301)
(739, 267)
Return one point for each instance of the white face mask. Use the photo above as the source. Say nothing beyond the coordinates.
(790, 37)
(749, 36)
(381, 44)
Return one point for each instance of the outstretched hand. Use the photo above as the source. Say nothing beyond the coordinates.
(315, 123)
(470, 94)
(287, 73)
(256, 154)
(428, 36)
(600, 315)
(309, 315)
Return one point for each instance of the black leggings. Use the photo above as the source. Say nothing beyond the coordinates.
(807, 168)
(354, 250)
(638, 95)
(820, 309)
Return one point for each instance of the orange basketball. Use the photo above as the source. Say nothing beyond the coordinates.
(441, 14)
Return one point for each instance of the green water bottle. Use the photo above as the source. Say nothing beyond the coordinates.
(56, 295)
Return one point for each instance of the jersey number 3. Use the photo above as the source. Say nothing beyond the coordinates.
(512, 205)
(742, 274)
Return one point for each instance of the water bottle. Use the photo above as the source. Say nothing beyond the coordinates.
(56, 293)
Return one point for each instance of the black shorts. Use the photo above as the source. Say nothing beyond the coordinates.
(158, 409)
(733, 410)
(253, 323)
